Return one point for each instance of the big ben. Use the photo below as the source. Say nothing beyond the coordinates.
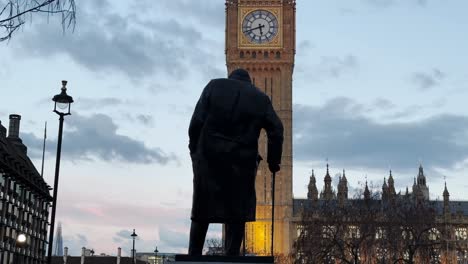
(260, 37)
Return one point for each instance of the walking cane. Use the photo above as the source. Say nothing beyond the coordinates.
(272, 211)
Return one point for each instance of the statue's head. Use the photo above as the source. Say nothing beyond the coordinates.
(241, 75)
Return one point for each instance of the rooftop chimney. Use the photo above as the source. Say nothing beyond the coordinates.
(119, 254)
(13, 133)
(83, 249)
(65, 255)
(13, 130)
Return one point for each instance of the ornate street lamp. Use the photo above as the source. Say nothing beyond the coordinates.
(134, 235)
(155, 254)
(62, 108)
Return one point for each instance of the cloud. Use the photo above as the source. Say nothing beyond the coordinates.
(340, 131)
(208, 12)
(106, 40)
(331, 67)
(384, 104)
(387, 3)
(164, 226)
(87, 103)
(426, 81)
(75, 243)
(96, 136)
(122, 235)
(305, 45)
(173, 238)
(146, 120)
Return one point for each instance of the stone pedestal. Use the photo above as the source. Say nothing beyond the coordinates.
(185, 259)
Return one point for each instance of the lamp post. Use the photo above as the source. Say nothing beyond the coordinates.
(62, 108)
(155, 255)
(134, 235)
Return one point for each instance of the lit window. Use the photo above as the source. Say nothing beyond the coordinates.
(353, 232)
(461, 233)
(328, 231)
(434, 234)
(380, 233)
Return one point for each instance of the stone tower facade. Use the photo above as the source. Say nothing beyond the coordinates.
(260, 37)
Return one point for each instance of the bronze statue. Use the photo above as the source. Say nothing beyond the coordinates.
(224, 132)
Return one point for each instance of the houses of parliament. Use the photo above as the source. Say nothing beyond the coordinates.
(450, 223)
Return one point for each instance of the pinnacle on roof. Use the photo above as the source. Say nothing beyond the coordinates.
(344, 176)
(366, 192)
(312, 177)
(384, 183)
(446, 193)
(421, 171)
(391, 182)
(327, 176)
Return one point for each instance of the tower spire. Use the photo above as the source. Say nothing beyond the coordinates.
(366, 192)
(327, 189)
(312, 188)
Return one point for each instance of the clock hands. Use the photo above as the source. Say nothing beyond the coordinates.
(259, 27)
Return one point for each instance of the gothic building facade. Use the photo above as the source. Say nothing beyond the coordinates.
(450, 222)
(24, 201)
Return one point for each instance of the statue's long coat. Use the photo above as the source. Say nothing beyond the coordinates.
(224, 133)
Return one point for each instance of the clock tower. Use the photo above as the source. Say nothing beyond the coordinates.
(260, 37)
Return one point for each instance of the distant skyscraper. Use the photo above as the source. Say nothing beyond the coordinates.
(58, 250)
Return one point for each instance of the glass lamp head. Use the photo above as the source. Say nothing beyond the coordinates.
(62, 101)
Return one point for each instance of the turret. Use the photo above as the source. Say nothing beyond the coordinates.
(421, 176)
(385, 190)
(366, 192)
(422, 189)
(391, 187)
(312, 193)
(446, 202)
(327, 192)
(342, 189)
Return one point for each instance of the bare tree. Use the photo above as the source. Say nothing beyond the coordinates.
(412, 231)
(214, 246)
(331, 233)
(14, 13)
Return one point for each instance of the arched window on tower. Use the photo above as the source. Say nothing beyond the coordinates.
(278, 55)
(241, 55)
(254, 54)
(265, 54)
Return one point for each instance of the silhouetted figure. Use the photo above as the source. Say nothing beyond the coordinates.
(224, 133)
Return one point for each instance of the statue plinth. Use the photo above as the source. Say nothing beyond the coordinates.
(185, 259)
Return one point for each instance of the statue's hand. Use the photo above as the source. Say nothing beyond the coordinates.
(274, 167)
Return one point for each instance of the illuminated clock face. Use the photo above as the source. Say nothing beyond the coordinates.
(260, 26)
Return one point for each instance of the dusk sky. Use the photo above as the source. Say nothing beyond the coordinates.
(378, 85)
